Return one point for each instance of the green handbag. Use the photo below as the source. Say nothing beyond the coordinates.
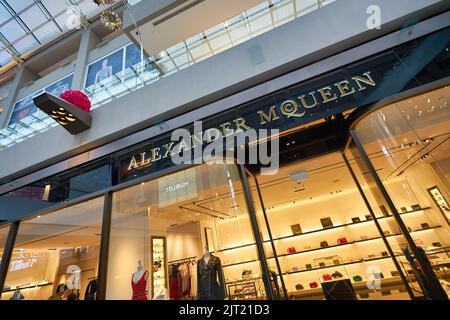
(357, 278)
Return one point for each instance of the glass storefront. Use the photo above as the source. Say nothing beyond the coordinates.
(324, 234)
(3, 236)
(185, 236)
(407, 144)
(56, 255)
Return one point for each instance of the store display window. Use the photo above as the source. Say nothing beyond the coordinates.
(407, 142)
(325, 239)
(3, 236)
(56, 255)
(174, 237)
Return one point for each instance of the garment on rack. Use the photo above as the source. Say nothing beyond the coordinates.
(91, 290)
(175, 283)
(140, 287)
(210, 283)
(180, 280)
(185, 280)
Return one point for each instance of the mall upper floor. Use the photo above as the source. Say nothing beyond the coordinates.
(202, 50)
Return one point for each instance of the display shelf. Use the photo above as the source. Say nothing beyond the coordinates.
(242, 280)
(321, 230)
(239, 263)
(331, 247)
(389, 283)
(351, 242)
(29, 287)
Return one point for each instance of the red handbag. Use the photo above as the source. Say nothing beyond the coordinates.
(342, 240)
(291, 250)
(313, 285)
(327, 277)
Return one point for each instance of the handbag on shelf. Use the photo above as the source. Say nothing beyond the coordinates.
(357, 278)
(356, 220)
(327, 277)
(384, 254)
(416, 207)
(326, 222)
(425, 225)
(308, 266)
(298, 287)
(337, 275)
(313, 285)
(247, 274)
(395, 273)
(323, 244)
(368, 217)
(296, 229)
(291, 250)
(342, 240)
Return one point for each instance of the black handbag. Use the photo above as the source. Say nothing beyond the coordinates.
(296, 229)
(323, 244)
(326, 222)
(91, 290)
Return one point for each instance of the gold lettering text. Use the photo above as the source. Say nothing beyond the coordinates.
(268, 118)
(367, 80)
(168, 149)
(226, 129)
(327, 94)
(289, 108)
(156, 154)
(240, 124)
(133, 164)
(344, 88)
(305, 104)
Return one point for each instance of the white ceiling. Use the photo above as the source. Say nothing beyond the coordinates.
(188, 23)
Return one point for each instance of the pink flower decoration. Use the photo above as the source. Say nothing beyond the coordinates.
(77, 98)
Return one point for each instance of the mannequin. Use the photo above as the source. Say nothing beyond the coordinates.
(74, 280)
(17, 295)
(210, 282)
(139, 283)
(207, 255)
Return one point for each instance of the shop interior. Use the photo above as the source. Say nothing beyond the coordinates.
(56, 255)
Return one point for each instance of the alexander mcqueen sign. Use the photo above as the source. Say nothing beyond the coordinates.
(287, 110)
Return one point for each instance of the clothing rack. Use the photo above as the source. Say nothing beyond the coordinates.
(182, 260)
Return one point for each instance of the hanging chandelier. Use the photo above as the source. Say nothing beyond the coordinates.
(105, 2)
(111, 20)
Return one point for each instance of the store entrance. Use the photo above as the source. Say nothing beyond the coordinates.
(320, 237)
(184, 236)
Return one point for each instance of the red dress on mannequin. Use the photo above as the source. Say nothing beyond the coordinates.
(140, 287)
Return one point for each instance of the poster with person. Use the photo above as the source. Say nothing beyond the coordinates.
(133, 58)
(132, 55)
(60, 86)
(104, 68)
(24, 108)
